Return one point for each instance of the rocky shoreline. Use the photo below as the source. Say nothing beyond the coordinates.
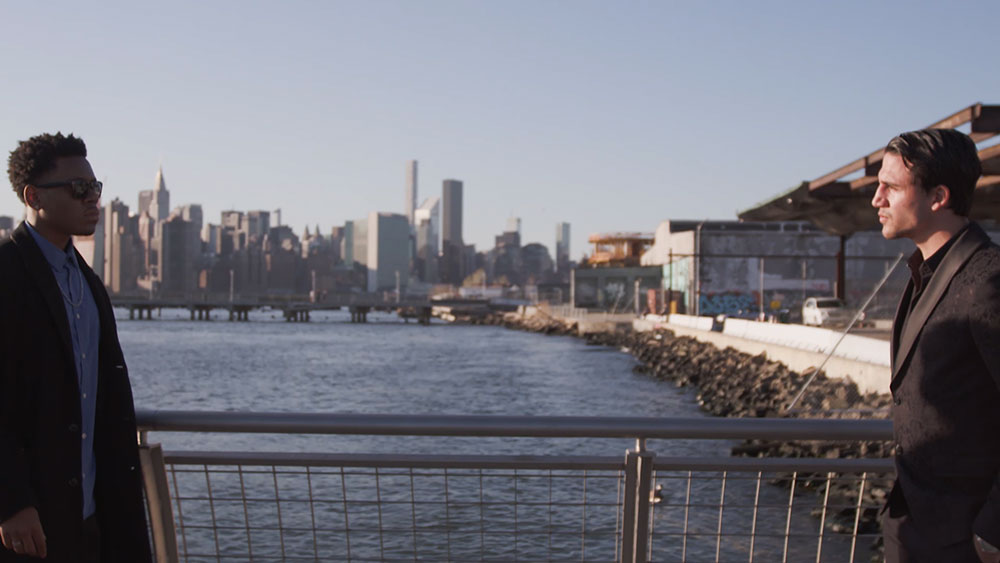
(735, 384)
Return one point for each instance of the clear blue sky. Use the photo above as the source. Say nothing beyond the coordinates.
(608, 115)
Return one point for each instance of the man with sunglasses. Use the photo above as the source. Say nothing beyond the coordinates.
(70, 480)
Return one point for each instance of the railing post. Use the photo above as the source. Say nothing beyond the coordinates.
(161, 516)
(635, 519)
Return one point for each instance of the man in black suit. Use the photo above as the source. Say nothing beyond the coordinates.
(945, 504)
(70, 480)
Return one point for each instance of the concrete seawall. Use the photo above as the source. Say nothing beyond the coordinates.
(861, 360)
(869, 377)
(738, 377)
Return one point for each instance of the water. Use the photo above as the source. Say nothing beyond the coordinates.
(388, 367)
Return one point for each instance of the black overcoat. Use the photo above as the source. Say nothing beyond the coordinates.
(946, 395)
(40, 415)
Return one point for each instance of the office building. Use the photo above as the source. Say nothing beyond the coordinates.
(191, 213)
(178, 252)
(145, 200)
(411, 192)
(562, 247)
(118, 263)
(513, 225)
(347, 244)
(258, 224)
(235, 228)
(428, 232)
(380, 246)
(452, 246)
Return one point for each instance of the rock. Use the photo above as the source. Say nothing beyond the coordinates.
(732, 383)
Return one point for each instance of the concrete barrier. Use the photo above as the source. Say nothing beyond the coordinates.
(865, 361)
(853, 347)
(690, 321)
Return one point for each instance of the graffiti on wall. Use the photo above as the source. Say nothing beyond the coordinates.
(727, 303)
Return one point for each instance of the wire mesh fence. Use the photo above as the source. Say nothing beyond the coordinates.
(311, 506)
(289, 513)
(259, 512)
(766, 517)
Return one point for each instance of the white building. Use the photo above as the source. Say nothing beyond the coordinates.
(381, 243)
(428, 230)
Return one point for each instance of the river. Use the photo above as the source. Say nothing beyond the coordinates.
(390, 367)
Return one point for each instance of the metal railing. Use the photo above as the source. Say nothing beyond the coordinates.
(290, 506)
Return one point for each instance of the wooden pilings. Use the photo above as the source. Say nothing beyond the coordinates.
(239, 314)
(424, 315)
(144, 312)
(359, 314)
(296, 315)
(201, 313)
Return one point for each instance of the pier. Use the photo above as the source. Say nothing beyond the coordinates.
(360, 305)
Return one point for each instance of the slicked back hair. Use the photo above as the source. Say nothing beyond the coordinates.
(38, 155)
(941, 157)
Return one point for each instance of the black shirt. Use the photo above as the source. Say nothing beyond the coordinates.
(921, 270)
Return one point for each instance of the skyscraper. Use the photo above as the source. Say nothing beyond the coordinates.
(411, 192)
(258, 223)
(428, 226)
(145, 199)
(192, 214)
(177, 255)
(235, 226)
(562, 247)
(452, 247)
(159, 206)
(118, 269)
(347, 244)
(513, 225)
(388, 256)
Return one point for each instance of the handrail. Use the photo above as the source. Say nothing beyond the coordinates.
(507, 426)
(562, 462)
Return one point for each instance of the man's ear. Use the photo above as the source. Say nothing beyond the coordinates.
(942, 197)
(31, 197)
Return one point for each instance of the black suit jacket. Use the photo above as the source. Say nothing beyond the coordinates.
(40, 415)
(946, 395)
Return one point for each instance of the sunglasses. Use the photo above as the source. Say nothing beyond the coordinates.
(79, 189)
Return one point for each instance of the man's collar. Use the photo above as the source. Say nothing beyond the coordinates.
(55, 256)
(917, 259)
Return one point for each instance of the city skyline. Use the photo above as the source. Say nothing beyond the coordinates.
(157, 202)
(606, 117)
(155, 249)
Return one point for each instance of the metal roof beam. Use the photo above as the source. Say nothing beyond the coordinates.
(985, 123)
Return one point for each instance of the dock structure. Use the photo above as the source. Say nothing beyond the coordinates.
(359, 305)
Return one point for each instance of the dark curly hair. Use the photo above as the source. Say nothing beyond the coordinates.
(38, 155)
(938, 157)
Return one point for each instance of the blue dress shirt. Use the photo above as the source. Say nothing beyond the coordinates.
(85, 331)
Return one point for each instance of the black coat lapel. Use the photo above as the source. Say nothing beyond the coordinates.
(897, 323)
(957, 256)
(40, 271)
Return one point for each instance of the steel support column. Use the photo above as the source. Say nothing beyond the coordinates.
(161, 518)
(841, 268)
(635, 517)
